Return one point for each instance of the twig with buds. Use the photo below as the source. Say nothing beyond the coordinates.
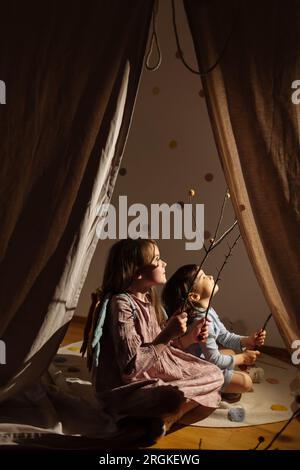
(226, 197)
(219, 272)
(213, 242)
(224, 235)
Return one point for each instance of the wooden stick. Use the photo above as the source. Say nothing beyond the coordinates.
(266, 322)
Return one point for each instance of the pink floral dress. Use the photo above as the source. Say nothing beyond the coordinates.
(127, 356)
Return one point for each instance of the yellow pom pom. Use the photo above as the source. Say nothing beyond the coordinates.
(192, 192)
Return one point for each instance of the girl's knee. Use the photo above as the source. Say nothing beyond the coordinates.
(240, 383)
(247, 383)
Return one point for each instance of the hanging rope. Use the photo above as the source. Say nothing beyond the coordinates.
(180, 53)
(154, 40)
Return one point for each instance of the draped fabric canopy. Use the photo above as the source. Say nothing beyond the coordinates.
(256, 128)
(71, 71)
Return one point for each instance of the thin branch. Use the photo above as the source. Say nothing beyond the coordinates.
(226, 197)
(261, 439)
(223, 236)
(220, 270)
(211, 246)
(207, 252)
(266, 322)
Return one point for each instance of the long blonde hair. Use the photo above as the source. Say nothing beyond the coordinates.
(125, 260)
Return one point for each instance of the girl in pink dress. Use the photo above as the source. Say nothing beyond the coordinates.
(139, 366)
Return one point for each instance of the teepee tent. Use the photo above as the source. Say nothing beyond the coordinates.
(72, 71)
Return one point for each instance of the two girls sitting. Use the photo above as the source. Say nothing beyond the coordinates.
(137, 356)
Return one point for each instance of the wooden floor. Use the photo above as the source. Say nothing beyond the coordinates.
(191, 437)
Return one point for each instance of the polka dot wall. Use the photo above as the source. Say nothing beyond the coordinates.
(170, 149)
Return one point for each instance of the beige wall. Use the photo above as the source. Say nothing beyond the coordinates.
(169, 108)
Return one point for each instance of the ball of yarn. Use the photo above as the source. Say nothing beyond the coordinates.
(257, 374)
(236, 414)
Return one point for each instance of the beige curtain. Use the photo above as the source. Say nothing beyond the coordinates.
(256, 128)
(71, 71)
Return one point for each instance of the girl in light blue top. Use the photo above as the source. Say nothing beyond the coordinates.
(240, 350)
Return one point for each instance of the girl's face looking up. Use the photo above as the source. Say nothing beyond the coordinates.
(203, 288)
(155, 272)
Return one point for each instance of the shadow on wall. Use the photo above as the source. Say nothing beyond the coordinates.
(239, 327)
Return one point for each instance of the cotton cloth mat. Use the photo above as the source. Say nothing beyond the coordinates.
(272, 400)
(277, 390)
